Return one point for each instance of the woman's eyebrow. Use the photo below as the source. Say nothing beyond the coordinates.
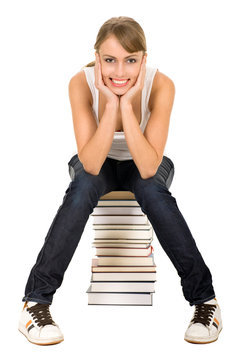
(124, 58)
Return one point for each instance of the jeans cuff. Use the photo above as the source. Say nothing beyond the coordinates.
(40, 301)
(203, 300)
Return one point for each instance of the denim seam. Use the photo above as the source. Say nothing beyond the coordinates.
(44, 246)
(169, 251)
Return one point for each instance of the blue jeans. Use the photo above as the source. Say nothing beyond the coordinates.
(156, 201)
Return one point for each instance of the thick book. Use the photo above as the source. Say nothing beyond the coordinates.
(126, 231)
(117, 210)
(123, 287)
(99, 268)
(124, 276)
(120, 219)
(126, 260)
(143, 227)
(122, 241)
(118, 202)
(119, 244)
(108, 251)
(102, 298)
(118, 195)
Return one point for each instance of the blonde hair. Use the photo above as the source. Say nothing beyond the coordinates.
(128, 32)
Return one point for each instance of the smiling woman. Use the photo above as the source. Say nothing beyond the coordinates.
(119, 92)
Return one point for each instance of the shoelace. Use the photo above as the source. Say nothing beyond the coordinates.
(41, 314)
(203, 314)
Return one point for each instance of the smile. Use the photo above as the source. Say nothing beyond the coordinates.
(119, 83)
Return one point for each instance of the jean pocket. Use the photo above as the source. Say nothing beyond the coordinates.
(74, 167)
(165, 172)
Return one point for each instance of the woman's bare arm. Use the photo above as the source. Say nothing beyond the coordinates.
(93, 142)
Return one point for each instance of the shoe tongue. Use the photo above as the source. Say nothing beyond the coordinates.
(31, 303)
(211, 302)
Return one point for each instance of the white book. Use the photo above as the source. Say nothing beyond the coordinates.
(143, 227)
(123, 241)
(124, 276)
(119, 244)
(126, 260)
(123, 234)
(120, 219)
(126, 231)
(122, 287)
(119, 298)
(117, 210)
(108, 251)
(118, 202)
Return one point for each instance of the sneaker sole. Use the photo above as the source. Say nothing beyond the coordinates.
(38, 342)
(203, 341)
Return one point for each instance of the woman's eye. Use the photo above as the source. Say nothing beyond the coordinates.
(108, 59)
(132, 60)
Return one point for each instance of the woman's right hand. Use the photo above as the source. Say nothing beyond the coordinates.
(111, 98)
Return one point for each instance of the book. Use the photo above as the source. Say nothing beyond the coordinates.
(123, 276)
(104, 298)
(123, 287)
(125, 231)
(120, 219)
(119, 244)
(117, 210)
(122, 241)
(125, 260)
(143, 227)
(117, 202)
(108, 251)
(118, 195)
(99, 268)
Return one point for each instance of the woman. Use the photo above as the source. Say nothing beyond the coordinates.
(121, 110)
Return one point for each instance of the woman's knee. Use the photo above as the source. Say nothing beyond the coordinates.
(165, 172)
(84, 191)
(148, 192)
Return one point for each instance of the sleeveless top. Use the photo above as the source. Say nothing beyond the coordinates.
(119, 149)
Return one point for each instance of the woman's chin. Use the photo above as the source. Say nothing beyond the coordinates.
(119, 91)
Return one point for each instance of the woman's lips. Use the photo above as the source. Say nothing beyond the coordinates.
(119, 85)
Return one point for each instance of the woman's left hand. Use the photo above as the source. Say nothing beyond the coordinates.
(134, 90)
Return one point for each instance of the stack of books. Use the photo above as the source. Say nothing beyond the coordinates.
(123, 271)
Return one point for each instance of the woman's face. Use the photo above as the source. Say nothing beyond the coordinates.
(119, 65)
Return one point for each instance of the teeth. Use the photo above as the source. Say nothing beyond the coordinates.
(119, 82)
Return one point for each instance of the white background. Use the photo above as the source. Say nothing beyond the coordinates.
(43, 44)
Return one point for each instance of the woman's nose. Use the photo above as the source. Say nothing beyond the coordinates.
(119, 71)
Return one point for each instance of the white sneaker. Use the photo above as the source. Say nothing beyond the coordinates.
(206, 323)
(37, 325)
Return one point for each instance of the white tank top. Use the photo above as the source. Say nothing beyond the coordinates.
(119, 149)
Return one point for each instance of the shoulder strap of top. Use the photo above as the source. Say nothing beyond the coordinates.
(150, 73)
(89, 72)
(90, 78)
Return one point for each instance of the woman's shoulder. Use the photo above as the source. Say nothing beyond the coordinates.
(160, 82)
(79, 82)
(80, 76)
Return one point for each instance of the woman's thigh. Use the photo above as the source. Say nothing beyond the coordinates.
(163, 177)
(105, 181)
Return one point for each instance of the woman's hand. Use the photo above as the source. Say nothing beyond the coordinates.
(130, 95)
(110, 96)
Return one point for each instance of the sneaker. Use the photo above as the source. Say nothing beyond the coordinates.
(206, 323)
(37, 324)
